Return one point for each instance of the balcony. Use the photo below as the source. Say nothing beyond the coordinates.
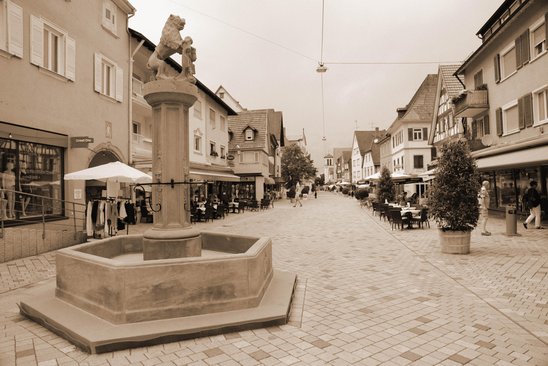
(142, 146)
(137, 93)
(471, 103)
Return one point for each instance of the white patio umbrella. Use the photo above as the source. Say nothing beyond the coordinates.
(375, 176)
(111, 172)
(399, 176)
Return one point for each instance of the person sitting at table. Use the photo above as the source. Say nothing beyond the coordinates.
(413, 198)
(403, 199)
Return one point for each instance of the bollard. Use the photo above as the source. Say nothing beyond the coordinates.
(511, 220)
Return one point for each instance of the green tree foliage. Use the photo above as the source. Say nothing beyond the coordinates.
(385, 187)
(453, 196)
(296, 165)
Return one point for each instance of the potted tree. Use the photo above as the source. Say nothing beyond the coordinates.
(453, 197)
(385, 187)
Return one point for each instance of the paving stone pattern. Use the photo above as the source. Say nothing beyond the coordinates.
(366, 295)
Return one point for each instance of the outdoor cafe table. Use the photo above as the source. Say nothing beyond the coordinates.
(234, 205)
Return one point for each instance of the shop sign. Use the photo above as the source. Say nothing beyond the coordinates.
(230, 157)
(80, 141)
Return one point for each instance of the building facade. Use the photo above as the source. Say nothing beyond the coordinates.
(362, 143)
(328, 169)
(75, 57)
(506, 101)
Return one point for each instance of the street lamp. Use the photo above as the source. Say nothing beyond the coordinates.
(321, 68)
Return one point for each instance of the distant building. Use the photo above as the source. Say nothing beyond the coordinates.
(342, 173)
(229, 99)
(256, 139)
(361, 143)
(328, 169)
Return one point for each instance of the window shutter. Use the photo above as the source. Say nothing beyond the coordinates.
(528, 109)
(425, 133)
(15, 29)
(521, 113)
(486, 127)
(410, 134)
(474, 129)
(518, 48)
(98, 81)
(546, 31)
(498, 115)
(36, 41)
(119, 84)
(525, 48)
(478, 79)
(497, 68)
(70, 71)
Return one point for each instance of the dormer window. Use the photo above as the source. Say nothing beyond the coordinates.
(249, 133)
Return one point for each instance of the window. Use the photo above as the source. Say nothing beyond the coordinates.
(480, 127)
(197, 109)
(212, 149)
(51, 48)
(11, 28)
(420, 134)
(109, 78)
(223, 123)
(510, 120)
(418, 161)
(478, 79)
(212, 118)
(249, 134)
(109, 16)
(222, 152)
(32, 167)
(508, 62)
(136, 128)
(538, 39)
(540, 105)
(197, 143)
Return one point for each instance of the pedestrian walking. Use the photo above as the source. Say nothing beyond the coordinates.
(531, 199)
(298, 197)
(483, 199)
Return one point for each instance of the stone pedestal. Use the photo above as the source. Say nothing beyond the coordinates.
(171, 235)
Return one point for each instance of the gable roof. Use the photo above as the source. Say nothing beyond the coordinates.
(338, 151)
(265, 122)
(421, 106)
(364, 139)
(449, 80)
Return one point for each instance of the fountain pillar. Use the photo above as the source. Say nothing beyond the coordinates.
(171, 235)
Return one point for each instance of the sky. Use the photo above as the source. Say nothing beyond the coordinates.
(265, 53)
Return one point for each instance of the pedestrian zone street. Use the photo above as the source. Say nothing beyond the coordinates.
(366, 295)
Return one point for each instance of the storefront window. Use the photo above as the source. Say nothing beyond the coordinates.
(31, 179)
(506, 190)
(523, 177)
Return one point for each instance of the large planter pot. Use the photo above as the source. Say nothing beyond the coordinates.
(455, 242)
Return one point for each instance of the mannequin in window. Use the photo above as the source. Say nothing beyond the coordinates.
(25, 187)
(8, 183)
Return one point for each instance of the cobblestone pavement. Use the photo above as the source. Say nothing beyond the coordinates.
(366, 295)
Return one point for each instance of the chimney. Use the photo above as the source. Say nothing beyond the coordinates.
(376, 129)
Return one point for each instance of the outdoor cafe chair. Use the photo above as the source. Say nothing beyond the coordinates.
(422, 219)
(397, 219)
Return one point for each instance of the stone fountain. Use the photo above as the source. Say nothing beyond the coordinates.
(173, 282)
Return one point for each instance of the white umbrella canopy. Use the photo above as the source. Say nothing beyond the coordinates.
(112, 172)
(375, 176)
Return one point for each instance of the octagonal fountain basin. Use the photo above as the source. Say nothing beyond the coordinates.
(105, 286)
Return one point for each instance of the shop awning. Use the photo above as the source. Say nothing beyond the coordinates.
(269, 180)
(526, 157)
(211, 175)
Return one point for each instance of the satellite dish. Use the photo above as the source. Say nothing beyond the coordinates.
(487, 140)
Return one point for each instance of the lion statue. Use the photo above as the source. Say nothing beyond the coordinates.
(171, 42)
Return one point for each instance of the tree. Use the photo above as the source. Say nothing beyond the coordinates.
(453, 196)
(296, 165)
(385, 187)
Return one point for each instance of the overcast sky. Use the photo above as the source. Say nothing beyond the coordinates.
(265, 53)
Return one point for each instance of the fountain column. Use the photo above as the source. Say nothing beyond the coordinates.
(171, 235)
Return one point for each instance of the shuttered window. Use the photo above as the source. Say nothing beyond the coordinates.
(497, 68)
(108, 77)
(525, 111)
(498, 115)
(11, 28)
(522, 49)
(51, 48)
